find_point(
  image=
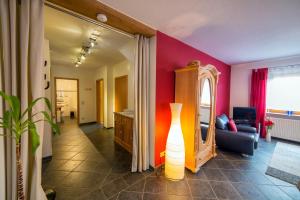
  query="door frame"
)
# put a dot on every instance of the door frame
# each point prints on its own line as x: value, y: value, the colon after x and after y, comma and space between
x: 119, y: 77
x: 97, y: 95
x: 55, y: 96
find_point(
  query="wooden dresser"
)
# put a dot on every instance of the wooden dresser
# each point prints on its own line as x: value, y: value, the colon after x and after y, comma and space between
x: 190, y: 84
x: 124, y: 130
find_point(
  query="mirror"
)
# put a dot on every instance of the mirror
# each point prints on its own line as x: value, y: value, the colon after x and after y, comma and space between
x: 205, y: 108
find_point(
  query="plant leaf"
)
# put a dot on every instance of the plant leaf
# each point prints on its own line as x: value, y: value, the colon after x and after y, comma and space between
x: 32, y: 104
x: 35, y: 138
x: 7, y: 119
x: 54, y: 126
x: 14, y: 104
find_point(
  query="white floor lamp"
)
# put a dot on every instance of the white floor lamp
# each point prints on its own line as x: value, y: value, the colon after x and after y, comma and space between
x: 175, y: 152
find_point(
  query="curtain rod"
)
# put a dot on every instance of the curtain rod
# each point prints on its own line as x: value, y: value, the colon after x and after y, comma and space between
x: 286, y: 66
x: 67, y: 11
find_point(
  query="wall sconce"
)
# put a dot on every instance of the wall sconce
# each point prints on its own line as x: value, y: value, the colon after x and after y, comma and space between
x: 175, y: 151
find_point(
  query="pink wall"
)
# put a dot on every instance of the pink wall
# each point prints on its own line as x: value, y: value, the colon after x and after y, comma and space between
x: 172, y: 54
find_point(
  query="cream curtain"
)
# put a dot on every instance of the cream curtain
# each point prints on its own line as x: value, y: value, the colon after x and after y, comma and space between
x: 21, y: 58
x: 140, y: 153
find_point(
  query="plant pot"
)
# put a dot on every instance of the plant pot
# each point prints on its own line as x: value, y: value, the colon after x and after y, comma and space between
x: 268, y: 136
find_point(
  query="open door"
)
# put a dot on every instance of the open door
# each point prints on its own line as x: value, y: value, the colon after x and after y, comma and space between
x: 100, y: 101
x: 121, y: 93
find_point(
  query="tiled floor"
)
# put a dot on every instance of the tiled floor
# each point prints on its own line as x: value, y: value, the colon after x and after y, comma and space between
x: 90, y: 167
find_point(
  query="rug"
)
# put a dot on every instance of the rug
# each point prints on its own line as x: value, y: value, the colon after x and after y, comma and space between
x: 285, y: 163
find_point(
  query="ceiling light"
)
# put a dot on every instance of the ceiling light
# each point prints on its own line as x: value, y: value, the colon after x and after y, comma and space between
x: 76, y: 65
x: 102, y: 17
x: 92, y: 44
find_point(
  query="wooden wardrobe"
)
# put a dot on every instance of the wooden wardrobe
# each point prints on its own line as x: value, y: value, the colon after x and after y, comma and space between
x: 196, y: 89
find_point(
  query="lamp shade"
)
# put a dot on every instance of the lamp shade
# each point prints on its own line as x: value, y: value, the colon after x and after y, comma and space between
x: 175, y: 152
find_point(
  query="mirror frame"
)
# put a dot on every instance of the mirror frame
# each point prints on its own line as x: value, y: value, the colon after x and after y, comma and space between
x: 205, y: 150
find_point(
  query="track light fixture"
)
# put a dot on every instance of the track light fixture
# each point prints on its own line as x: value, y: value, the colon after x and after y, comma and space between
x: 86, y: 49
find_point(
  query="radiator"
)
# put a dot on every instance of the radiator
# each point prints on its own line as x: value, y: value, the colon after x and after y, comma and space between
x: 288, y: 129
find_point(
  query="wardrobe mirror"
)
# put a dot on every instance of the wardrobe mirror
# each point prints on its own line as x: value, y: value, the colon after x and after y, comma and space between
x: 205, y: 108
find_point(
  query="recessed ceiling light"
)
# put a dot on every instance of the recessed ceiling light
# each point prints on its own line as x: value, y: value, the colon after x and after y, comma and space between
x: 102, y: 17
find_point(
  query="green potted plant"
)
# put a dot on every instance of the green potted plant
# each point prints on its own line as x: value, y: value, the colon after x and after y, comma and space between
x: 16, y: 123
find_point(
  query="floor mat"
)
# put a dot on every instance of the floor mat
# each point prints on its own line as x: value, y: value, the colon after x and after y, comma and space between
x: 285, y: 163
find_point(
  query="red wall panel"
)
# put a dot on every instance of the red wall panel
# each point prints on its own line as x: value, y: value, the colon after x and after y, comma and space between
x: 172, y: 54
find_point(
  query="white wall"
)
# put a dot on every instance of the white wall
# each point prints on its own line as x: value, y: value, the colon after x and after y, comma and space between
x: 87, y: 89
x: 108, y: 74
x: 241, y: 78
x: 47, y: 137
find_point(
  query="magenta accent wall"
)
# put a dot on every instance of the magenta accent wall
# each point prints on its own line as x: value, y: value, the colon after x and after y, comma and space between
x: 172, y: 54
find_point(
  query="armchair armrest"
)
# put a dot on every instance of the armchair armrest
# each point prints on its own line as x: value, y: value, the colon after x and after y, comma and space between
x: 240, y: 142
x: 246, y: 129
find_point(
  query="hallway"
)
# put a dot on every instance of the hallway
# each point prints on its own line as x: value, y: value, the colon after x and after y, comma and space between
x: 78, y: 170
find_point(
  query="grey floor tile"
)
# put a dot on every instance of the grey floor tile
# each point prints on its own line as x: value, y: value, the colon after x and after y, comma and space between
x: 201, y: 189
x: 214, y: 175
x: 199, y: 175
x: 126, y: 195
x: 83, y: 179
x: 69, y: 165
x: 138, y: 186
x: 114, y: 187
x: 292, y: 192
x: 224, y: 190
x: 248, y: 191
x: 224, y: 164
x: 94, y: 195
x: 155, y: 185
x: 273, y: 192
x: 257, y: 178
x: 150, y: 196
x: 131, y: 177
x: 53, y: 179
x: 178, y: 188
x: 234, y: 175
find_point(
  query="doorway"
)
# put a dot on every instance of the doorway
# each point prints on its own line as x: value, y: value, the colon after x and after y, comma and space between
x: 100, y: 101
x: 121, y: 93
x: 66, y: 99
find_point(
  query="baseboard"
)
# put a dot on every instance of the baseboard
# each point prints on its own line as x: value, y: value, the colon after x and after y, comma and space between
x: 46, y: 159
x: 87, y: 123
x: 286, y: 140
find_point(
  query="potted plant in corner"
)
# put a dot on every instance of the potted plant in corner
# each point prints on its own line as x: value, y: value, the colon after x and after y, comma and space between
x: 16, y: 123
x: 269, y: 125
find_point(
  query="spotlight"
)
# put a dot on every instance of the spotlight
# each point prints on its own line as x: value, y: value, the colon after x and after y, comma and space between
x: 92, y: 44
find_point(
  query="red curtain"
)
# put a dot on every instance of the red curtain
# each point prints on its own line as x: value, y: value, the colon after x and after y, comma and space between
x: 258, y: 96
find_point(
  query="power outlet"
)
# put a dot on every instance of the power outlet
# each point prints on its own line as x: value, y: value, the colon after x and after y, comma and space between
x: 162, y: 154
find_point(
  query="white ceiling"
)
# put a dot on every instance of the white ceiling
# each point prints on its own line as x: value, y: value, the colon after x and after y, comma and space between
x: 67, y: 34
x: 234, y: 31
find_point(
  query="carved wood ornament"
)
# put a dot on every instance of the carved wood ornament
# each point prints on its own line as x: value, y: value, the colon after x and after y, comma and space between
x: 189, y: 86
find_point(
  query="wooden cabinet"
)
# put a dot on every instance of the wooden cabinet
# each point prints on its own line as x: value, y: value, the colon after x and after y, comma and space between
x: 198, y: 111
x: 124, y: 131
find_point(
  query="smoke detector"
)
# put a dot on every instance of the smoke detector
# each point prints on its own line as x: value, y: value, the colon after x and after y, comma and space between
x: 102, y: 18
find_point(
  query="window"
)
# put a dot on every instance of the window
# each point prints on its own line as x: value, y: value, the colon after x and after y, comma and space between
x: 205, y: 100
x: 283, y: 90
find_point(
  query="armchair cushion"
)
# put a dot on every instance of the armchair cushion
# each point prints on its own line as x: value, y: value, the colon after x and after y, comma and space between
x: 222, y: 122
x: 232, y: 126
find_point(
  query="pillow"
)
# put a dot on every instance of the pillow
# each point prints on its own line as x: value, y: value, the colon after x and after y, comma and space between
x: 232, y: 126
x: 222, y: 122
